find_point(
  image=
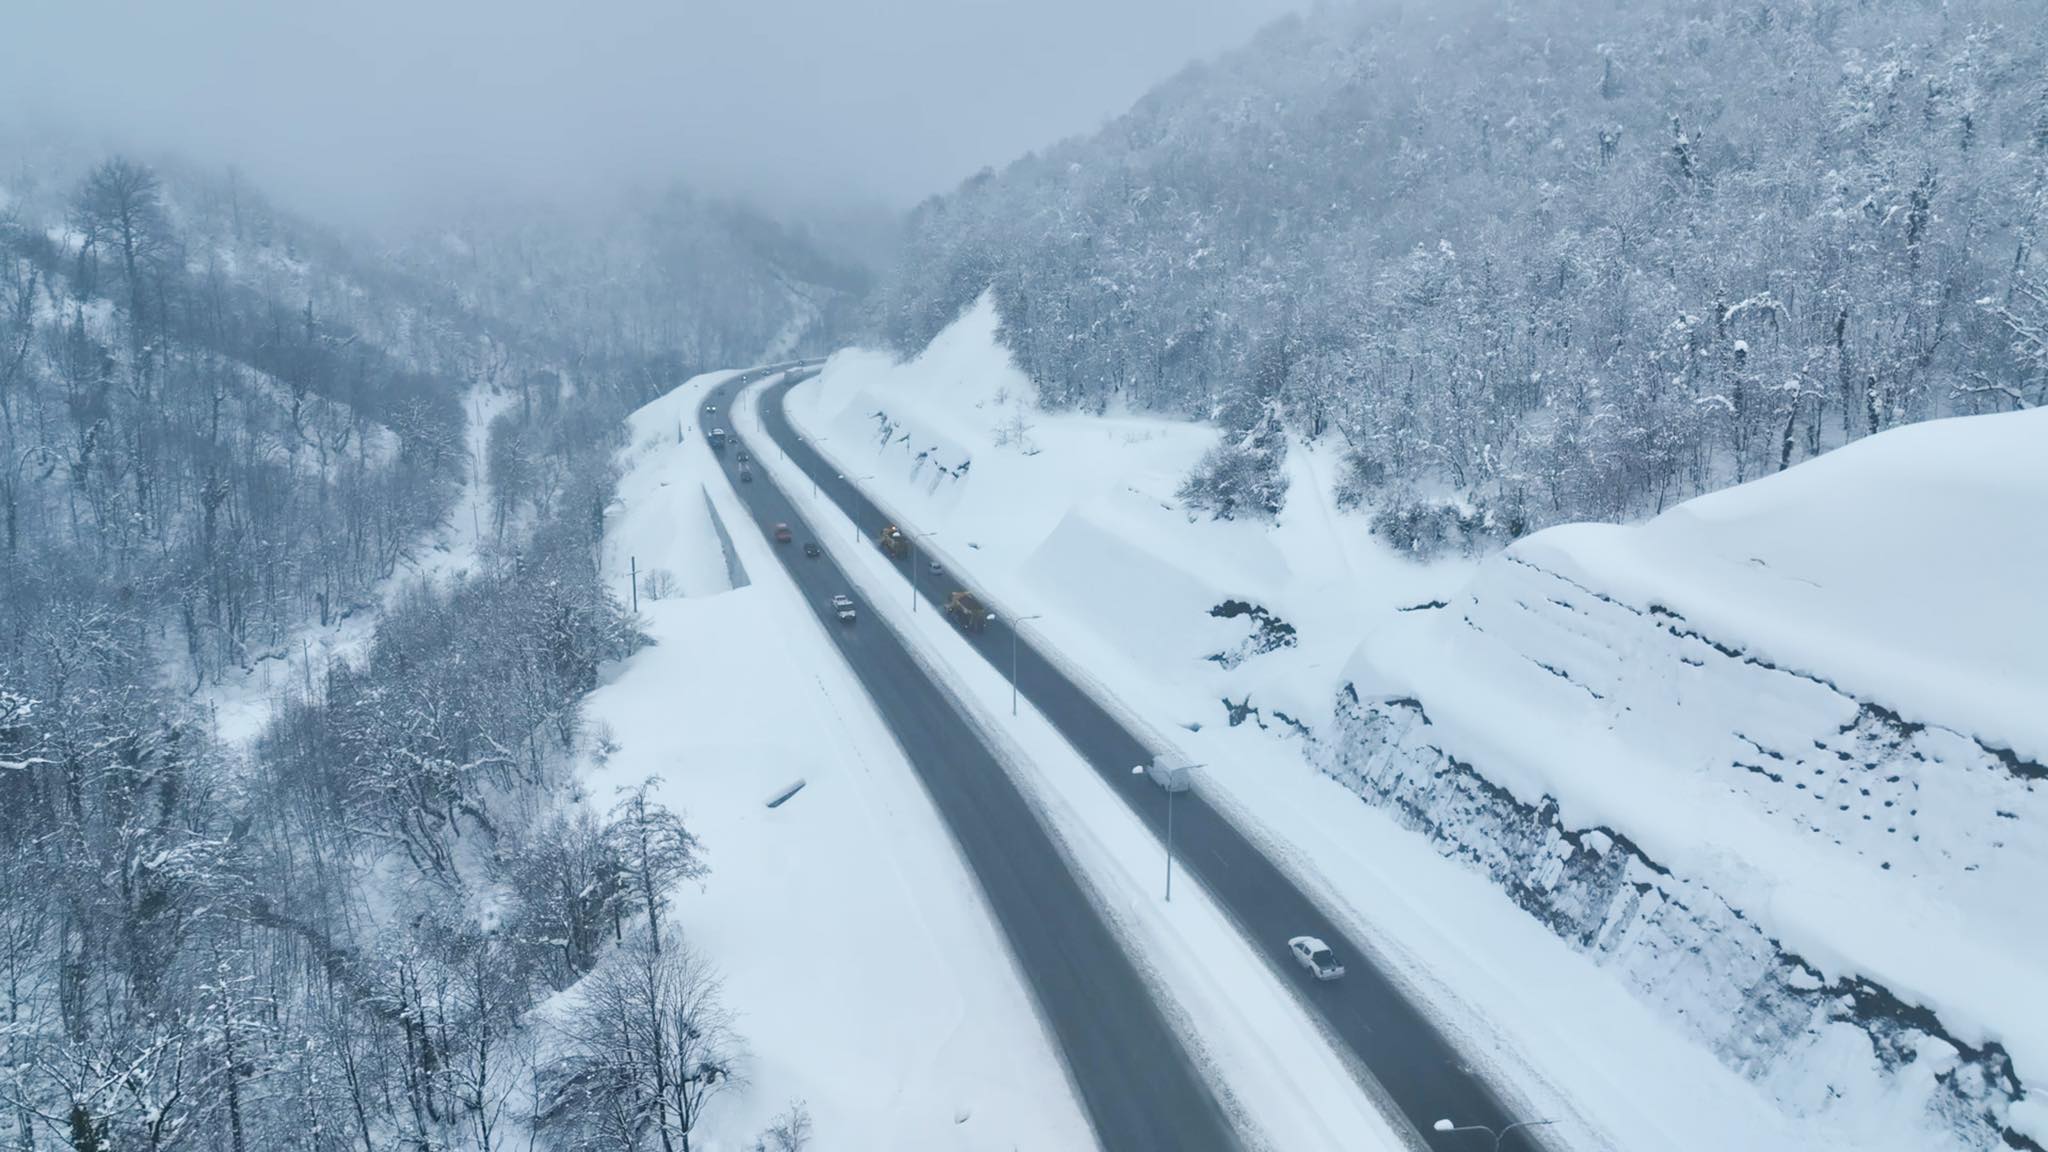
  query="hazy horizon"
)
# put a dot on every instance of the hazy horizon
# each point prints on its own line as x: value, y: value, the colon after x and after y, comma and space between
x: 394, y: 110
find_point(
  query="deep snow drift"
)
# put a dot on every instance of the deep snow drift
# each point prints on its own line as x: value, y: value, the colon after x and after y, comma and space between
x: 1618, y: 978
x: 1805, y: 701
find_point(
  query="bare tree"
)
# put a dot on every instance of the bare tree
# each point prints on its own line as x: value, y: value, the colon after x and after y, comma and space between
x: 788, y: 1132
x: 120, y: 206
x: 657, y: 850
x: 652, y: 1046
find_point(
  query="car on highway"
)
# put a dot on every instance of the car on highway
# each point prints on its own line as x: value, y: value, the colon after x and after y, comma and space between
x: 1315, y: 956
x: 743, y: 457
x: 843, y: 605
x: 746, y: 474
x: 934, y: 568
x: 811, y: 549
x: 782, y: 534
x: 711, y: 408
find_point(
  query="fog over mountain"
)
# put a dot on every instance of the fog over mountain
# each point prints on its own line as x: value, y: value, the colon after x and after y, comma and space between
x: 959, y: 575
x: 387, y: 106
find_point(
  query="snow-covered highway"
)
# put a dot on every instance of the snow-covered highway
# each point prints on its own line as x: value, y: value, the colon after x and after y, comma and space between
x: 1136, y: 1082
x: 1412, y: 1067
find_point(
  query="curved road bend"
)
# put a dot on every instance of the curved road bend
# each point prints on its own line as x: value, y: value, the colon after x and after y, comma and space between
x: 1367, y: 1012
x: 1137, y: 1085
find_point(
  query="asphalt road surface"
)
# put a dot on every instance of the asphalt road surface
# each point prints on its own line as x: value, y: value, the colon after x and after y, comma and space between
x: 1137, y: 1085
x: 1418, y: 1071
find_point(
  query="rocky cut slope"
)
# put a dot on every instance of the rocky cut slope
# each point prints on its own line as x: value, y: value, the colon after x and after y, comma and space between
x: 1771, y: 760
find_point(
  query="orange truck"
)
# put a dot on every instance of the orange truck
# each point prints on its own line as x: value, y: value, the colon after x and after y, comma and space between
x: 966, y: 610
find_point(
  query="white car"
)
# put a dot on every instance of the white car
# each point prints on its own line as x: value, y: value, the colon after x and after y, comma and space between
x: 843, y: 605
x: 1316, y: 956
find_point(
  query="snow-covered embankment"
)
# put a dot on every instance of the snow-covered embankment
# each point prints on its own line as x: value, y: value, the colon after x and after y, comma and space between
x: 1768, y: 758
x: 1635, y: 760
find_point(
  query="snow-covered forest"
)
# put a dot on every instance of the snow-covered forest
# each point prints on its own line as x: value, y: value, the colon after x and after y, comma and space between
x: 364, y: 759
x: 226, y: 432
x: 1534, y: 262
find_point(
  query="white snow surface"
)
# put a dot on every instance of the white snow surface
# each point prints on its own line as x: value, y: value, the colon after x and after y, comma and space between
x: 1905, y: 568
x: 1676, y: 679
x: 1073, y: 518
x: 867, y: 978
x: 1281, y: 1083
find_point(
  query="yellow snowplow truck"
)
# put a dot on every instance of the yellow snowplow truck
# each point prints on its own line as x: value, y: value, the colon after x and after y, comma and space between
x: 892, y: 542
x: 966, y: 611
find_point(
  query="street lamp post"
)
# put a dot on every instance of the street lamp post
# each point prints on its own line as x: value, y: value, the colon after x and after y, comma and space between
x: 850, y: 519
x: 1016, y: 626
x: 1498, y: 1137
x: 914, y: 538
x: 1174, y: 777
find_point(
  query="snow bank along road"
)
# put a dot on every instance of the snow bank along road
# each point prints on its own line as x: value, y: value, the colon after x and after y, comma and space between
x: 1366, y: 1011
x: 1134, y: 1078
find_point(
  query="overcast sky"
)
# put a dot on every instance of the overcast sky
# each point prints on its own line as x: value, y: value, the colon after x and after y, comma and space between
x: 373, y: 107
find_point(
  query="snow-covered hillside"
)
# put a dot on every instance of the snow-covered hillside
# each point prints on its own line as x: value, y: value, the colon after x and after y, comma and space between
x: 1075, y: 516
x: 1810, y: 708
x: 1621, y: 964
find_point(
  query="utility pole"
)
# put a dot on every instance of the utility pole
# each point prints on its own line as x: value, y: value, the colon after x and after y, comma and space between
x: 634, y: 563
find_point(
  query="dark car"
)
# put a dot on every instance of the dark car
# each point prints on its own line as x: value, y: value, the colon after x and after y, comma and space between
x: 743, y: 457
x: 811, y: 549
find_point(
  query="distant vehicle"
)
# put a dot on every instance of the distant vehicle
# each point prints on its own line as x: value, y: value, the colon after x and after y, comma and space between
x: 892, y: 541
x: 964, y: 609
x: 743, y: 457
x: 843, y: 605
x: 782, y: 535
x: 711, y: 407
x: 811, y: 549
x: 1316, y: 956
x: 934, y: 568
x: 746, y: 474
x: 717, y: 438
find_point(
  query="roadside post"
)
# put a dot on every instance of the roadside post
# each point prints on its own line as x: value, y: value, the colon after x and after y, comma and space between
x: 1175, y: 775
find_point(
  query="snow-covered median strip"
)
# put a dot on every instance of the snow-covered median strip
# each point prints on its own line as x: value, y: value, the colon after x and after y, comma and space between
x: 1268, y: 1060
